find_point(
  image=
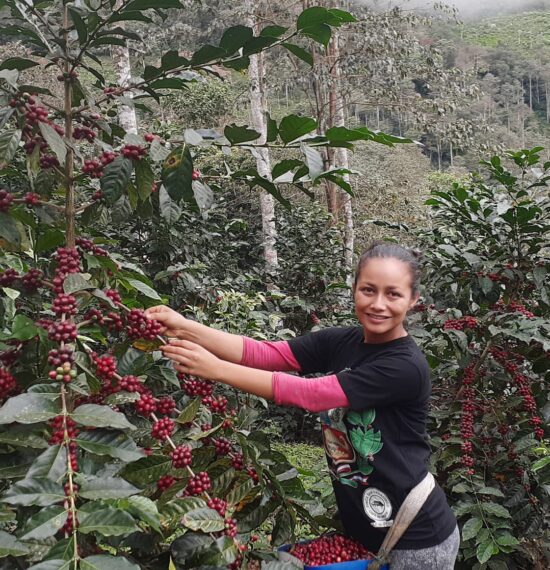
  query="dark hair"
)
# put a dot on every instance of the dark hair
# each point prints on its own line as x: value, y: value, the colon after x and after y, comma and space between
x: 390, y: 250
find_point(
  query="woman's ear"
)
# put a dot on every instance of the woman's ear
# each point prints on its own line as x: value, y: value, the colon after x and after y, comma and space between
x: 414, y: 300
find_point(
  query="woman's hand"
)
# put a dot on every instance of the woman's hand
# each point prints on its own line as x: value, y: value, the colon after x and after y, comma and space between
x: 171, y: 321
x: 191, y: 358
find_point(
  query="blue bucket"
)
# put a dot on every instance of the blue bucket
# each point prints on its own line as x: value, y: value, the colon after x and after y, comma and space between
x: 351, y: 565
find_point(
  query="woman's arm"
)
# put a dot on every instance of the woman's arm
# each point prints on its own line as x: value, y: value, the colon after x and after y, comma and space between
x: 310, y: 394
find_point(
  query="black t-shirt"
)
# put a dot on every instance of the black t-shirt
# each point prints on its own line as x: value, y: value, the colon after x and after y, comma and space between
x: 377, y: 449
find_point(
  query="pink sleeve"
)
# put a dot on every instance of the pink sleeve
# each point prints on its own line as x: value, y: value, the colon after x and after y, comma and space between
x: 268, y: 355
x: 312, y: 394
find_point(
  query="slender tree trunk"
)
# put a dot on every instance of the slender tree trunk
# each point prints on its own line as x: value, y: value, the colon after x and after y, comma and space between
x: 258, y: 121
x: 547, y: 101
x: 123, y: 70
x: 340, y: 158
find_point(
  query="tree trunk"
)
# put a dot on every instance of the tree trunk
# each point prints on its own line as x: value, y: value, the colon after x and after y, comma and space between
x: 340, y: 156
x: 258, y: 122
x: 121, y: 59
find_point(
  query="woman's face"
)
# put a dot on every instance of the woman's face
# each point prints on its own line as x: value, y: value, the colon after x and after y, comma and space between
x: 383, y: 296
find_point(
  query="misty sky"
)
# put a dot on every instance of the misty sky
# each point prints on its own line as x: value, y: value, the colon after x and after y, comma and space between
x: 477, y: 8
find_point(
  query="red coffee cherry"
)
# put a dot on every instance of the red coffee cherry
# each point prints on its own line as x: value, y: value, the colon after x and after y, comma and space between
x: 105, y: 366
x: 131, y: 384
x: 230, y: 527
x: 237, y: 460
x: 223, y: 446
x: 146, y: 405
x: 133, y: 152
x: 64, y: 304
x: 5, y: 200
x: 166, y: 405
x: 195, y: 386
x: 165, y: 482
x: 8, y: 277
x: 198, y: 484
x: 31, y: 198
x: 162, y: 429
x: 8, y: 384
x: 181, y: 456
x: 139, y: 326
x: 218, y: 505
x: 62, y: 332
x: 32, y: 280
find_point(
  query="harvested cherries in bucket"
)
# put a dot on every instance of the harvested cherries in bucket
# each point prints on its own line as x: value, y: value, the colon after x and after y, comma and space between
x: 330, y: 549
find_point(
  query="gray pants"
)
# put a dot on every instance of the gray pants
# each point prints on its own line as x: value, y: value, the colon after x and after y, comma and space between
x: 439, y: 557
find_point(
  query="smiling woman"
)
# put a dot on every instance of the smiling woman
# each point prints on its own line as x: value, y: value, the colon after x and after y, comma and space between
x: 372, y: 399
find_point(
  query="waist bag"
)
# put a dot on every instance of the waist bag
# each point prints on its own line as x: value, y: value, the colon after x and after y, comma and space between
x: 409, y: 509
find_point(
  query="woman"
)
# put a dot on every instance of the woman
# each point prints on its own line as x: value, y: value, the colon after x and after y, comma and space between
x: 373, y: 402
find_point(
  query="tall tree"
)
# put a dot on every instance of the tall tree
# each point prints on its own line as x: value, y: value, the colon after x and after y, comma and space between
x: 258, y: 108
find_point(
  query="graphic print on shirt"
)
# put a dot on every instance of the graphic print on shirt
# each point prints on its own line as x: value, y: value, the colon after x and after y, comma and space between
x: 345, y: 447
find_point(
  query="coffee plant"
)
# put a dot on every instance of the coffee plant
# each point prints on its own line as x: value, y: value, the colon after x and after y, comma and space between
x: 485, y: 326
x: 109, y: 459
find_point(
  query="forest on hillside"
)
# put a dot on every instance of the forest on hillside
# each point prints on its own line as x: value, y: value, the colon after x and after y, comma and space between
x: 232, y: 160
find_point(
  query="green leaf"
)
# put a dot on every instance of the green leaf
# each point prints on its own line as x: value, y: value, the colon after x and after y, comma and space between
x: 10, y: 546
x: 23, y: 328
x: 169, y: 209
x: 238, y: 134
x: 19, y: 63
x: 485, y: 550
x: 50, y: 239
x: 189, y: 545
x: 97, y: 488
x: 538, y: 465
x: 147, y: 470
x: 507, y: 539
x: 114, y: 444
x: 79, y: 24
x: 9, y: 142
x: 115, y: 179
x: 190, y: 411
x: 28, y: 409
x: 495, y: 509
x: 300, y: 53
x: 108, y: 522
x: 53, y: 564
x: 148, y: 4
x: 491, y: 491
x: 235, y: 38
x: 9, y: 230
x: 144, y: 178
x: 75, y: 282
x: 204, y: 197
x: 143, y: 508
x: 205, y: 520
x: 51, y: 464
x: 471, y: 528
x: 100, y: 416
x: 39, y: 492
x: 208, y: 54
x: 177, y: 174
x: 44, y: 524
x: 273, y: 31
x: 55, y: 141
x: 105, y: 562
x: 293, y: 127
x: 144, y: 289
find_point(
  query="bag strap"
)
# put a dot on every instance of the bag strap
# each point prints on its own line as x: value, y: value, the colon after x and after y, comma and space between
x: 409, y: 509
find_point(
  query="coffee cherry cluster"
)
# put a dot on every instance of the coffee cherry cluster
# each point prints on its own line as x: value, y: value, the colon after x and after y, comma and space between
x: 524, y: 388
x: 133, y: 151
x: 94, y: 315
x: 62, y: 331
x: 10, y: 356
x: 230, y: 527
x: 223, y: 446
x: 48, y: 161
x: 165, y: 405
x: 181, y: 457
x: 218, y: 505
x: 512, y: 307
x: 105, y: 366
x: 162, y: 429
x: 88, y: 245
x: 58, y: 356
x: 65, y: 373
x: 467, y: 418
x: 94, y: 166
x: 58, y: 430
x: 146, y: 405
x: 8, y: 384
x: 64, y: 304
x: 139, y: 326
x: 195, y: 386
x: 467, y: 322
x: 31, y: 198
x: 32, y: 280
x: 68, y: 261
x: 131, y: 384
x: 70, y: 524
x: 165, y: 482
x: 86, y: 133
x: 5, y: 200
x: 8, y: 277
x: 237, y: 460
x: 198, y: 484
x: 330, y: 549
x: 217, y: 405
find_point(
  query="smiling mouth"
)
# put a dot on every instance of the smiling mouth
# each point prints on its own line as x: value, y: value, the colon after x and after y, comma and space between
x: 377, y: 317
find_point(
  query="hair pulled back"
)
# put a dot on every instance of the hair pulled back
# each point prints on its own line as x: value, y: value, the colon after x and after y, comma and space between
x: 380, y: 249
